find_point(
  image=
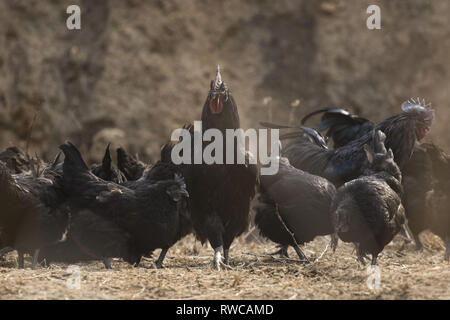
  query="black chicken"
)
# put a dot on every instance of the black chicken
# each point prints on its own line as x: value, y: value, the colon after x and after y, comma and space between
x: 368, y: 210
x: 16, y: 160
x: 426, y: 184
x: 303, y: 202
x: 423, y: 175
x: 110, y: 220
x: 68, y: 251
x: 106, y: 169
x: 348, y: 162
x: 34, y: 213
x: 417, y: 182
x: 220, y: 194
x: 132, y: 168
x: 164, y: 169
x: 439, y: 198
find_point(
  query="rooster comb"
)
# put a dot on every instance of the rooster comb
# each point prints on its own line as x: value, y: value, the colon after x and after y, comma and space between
x: 415, y: 103
x: 217, y: 82
x: 419, y: 106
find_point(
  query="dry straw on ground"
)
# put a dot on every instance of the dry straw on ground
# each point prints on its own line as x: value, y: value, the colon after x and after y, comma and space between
x: 256, y: 275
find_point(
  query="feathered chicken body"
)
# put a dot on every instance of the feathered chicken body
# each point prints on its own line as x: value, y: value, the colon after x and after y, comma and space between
x: 132, y: 168
x: 16, y: 160
x: 220, y: 194
x: 424, y: 174
x: 302, y: 201
x: 368, y: 210
x: 111, y: 220
x: 417, y: 182
x: 34, y: 213
x: 349, y: 162
x: 437, y: 200
x: 106, y: 170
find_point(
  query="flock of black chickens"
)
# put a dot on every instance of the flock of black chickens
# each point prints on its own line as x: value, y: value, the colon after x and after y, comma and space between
x: 377, y: 181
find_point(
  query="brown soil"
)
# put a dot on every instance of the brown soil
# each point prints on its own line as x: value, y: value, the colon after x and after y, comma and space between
x: 137, y: 70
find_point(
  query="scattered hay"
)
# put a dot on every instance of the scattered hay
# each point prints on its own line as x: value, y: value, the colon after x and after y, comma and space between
x: 255, y: 275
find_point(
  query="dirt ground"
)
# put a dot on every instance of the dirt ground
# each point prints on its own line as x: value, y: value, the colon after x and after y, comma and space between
x: 406, y: 274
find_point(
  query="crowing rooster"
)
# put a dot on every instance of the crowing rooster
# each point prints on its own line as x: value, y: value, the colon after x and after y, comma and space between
x: 220, y: 194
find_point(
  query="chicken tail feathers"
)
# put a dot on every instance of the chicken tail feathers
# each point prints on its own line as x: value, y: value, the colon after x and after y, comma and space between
x: 73, y: 159
x: 309, y: 115
x: 341, y: 126
x: 124, y: 159
x: 107, y: 161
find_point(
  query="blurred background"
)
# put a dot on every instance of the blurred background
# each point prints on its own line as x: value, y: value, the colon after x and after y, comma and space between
x: 137, y: 70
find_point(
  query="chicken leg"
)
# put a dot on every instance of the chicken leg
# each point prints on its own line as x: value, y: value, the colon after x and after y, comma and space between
x: 283, y: 252
x: 107, y: 263
x: 226, y: 255
x: 162, y: 255
x: 5, y: 251
x: 35, y: 258
x: 419, y: 245
x: 334, y: 241
x: 300, y: 254
x: 374, y: 259
x: 21, y: 260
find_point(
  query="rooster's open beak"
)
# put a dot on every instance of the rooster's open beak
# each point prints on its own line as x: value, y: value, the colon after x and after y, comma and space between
x: 216, y: 105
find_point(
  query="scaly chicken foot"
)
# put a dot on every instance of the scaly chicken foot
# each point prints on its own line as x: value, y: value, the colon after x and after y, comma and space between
x: 217, y: 262
x: 283, y: 252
